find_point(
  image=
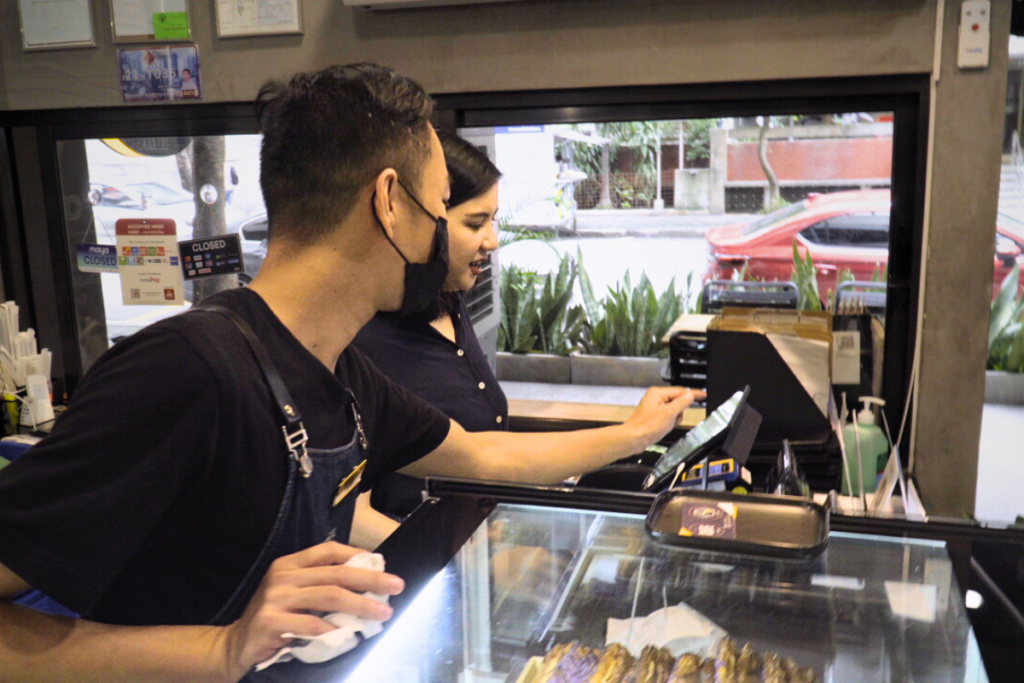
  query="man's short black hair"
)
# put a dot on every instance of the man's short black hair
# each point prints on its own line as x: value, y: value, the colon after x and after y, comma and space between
x: 327, y: 134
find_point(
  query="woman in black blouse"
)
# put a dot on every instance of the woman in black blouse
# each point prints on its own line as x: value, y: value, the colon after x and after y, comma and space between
x: 437, y: 355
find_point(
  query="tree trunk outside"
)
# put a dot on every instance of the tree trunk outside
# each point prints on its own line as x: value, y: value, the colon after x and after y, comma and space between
x: 772, y: 199
x: 208, y: 165
x: 184, y: 160
x: 606, y: 178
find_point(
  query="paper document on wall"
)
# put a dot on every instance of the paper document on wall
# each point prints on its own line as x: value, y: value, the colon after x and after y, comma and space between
x: 809, y: 360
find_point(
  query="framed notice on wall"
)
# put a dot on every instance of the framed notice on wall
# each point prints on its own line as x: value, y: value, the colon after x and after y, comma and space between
x: 244, y: 18
x: 153, y: 74
x: 55, y: 24
x: 142, y: 21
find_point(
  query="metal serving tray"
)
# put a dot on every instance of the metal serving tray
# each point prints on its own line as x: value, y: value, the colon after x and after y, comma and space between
x: 775, y: 526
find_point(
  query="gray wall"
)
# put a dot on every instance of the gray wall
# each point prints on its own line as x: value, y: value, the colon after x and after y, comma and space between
x: 581, y: 43
x: 540, y: 44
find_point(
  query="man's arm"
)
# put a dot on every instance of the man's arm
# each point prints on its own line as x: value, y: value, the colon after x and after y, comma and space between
x: 369, y: 527
x: 550, y: 457
x: 41, y: 647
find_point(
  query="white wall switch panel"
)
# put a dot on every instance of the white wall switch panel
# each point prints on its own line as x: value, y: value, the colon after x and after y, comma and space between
x: 975, y: 43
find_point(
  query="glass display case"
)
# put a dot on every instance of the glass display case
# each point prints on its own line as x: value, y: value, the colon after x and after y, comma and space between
x: 529, y: 577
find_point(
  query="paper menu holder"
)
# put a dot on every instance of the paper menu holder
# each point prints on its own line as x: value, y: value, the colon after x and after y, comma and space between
x: 740, y: 353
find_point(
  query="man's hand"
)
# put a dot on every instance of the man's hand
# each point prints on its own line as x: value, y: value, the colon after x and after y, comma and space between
x: 294, y: 587
x: 659, y: 410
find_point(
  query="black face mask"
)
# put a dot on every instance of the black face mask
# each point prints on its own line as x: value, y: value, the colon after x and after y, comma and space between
x: 423, y: 281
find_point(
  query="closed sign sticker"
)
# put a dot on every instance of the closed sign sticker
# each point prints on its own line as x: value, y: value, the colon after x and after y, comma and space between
x: 220, y: 255
x: 97, y: 258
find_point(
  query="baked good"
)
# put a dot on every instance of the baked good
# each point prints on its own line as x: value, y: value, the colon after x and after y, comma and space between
x: 577, y: 665
x: 654, y: 666
x: 613, y: 665
x: 551, y: 661
x: 687, y: 669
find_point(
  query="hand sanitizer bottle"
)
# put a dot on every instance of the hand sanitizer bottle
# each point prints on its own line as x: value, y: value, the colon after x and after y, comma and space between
x: 864, y: 434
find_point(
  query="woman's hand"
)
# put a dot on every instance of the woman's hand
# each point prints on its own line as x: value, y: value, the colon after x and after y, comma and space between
x: 659, y: 411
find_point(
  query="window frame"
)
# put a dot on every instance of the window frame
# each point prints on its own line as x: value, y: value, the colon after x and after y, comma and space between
x: 906, y: 96
x: 36, y: 267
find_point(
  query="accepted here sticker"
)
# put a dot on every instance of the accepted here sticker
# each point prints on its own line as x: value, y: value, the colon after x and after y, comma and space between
x: 148, y: 262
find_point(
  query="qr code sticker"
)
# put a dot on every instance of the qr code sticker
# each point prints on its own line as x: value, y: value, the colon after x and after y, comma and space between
x: 135, y: 294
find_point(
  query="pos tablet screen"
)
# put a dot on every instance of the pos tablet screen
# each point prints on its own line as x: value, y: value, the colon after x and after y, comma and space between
x: 699, y: 442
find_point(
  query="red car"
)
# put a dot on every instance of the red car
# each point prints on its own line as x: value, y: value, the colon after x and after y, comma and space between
x: 841, y: 231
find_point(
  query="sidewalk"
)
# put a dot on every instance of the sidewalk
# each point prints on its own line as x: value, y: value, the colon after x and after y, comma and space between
x: 647, y: 223
x: 1000, y: 464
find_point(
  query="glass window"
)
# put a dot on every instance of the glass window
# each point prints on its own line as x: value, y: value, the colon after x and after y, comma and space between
x: 869, y: 230
x: 817, y: 233
x: 640, y: 211
x: 205, y: 186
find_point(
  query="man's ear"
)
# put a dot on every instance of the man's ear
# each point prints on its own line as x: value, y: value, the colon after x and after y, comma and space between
x: 385, y: 187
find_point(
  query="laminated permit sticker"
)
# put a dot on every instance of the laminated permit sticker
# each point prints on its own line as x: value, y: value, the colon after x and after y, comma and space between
x: 708, y: 520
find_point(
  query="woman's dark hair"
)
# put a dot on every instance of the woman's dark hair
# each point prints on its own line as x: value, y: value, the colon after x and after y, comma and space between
x: 470, y: 171
x: 329, y: 133
x: 470, y: 174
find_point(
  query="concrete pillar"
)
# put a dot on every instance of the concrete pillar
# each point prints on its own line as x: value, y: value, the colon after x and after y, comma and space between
x: 958, y: 288
x: 693, y: 189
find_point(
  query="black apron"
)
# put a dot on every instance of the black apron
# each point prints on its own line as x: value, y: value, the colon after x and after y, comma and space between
x: 307, y: 515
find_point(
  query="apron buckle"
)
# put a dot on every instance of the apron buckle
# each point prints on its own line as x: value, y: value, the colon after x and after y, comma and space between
x: 296, y: 442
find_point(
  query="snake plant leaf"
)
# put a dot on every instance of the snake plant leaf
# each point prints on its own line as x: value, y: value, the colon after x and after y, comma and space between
x: 1006, y: 308
x: 1015, y: 352
x: 587, y: 289
x: 525, y: 345
x: 668, y: 309
x: 806, y: 281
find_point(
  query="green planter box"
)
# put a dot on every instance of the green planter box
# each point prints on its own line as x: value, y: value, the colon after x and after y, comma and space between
x: 533, y: 367
x: 616, y: 371
x: 1004, y: 387
x: 622, y: 371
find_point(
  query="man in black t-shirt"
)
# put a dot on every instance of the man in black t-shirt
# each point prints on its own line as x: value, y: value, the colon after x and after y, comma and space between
x: 166, y: 507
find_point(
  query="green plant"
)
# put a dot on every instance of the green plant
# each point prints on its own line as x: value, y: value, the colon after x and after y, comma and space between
x: 1006, y: 327
x: 629, y: 321
x: 806, y: 281
x: 697, y: 138
x: 741, y: 274
x: 559, y: 328
x: 641, y: 137
x: 518, y: 310
x: 832, y: 298
x: 693, y: 295
x: 534, y: 311
x: 630, y: 191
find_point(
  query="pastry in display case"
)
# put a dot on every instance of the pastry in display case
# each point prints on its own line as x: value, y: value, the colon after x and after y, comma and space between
x: 559, y: 595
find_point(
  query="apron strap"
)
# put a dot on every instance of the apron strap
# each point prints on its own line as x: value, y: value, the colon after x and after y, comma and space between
x: 294, y: 431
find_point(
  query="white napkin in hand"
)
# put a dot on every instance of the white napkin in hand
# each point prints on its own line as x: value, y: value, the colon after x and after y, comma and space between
x: 314, y: 649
